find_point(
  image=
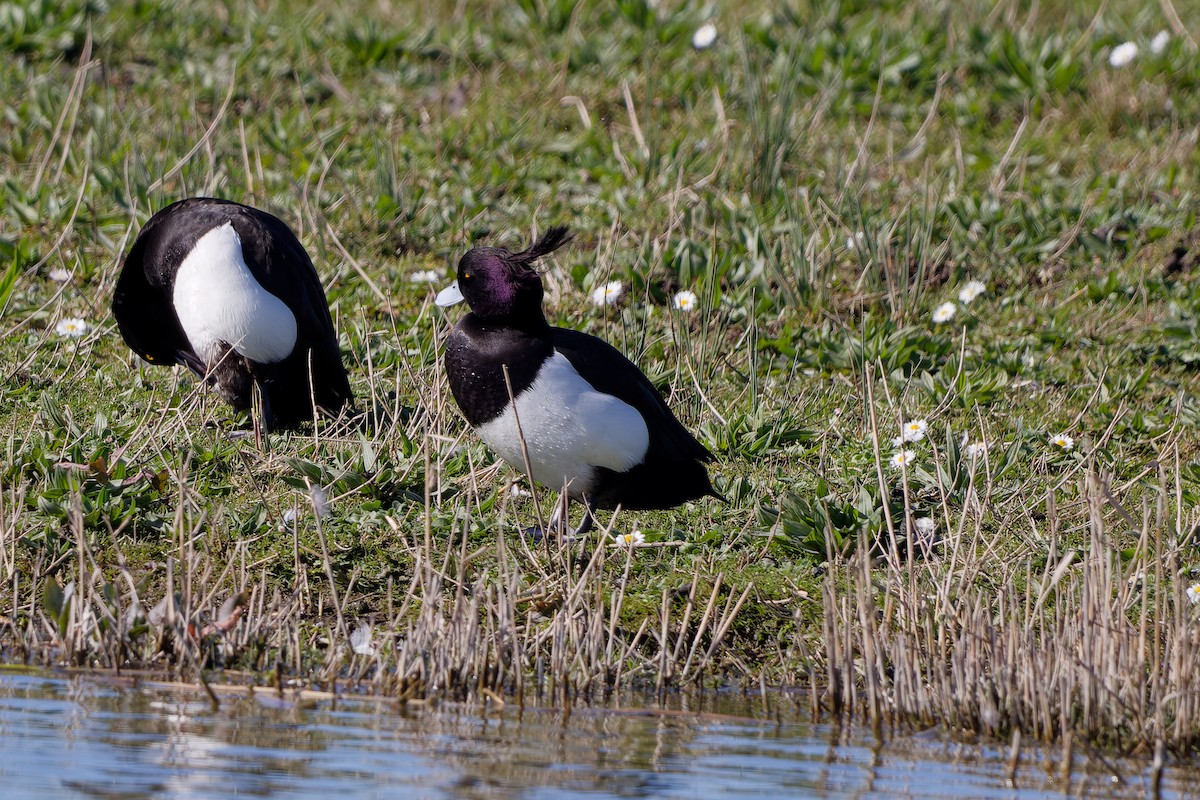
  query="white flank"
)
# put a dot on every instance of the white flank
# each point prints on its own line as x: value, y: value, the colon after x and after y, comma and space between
x: 217, y: 299
x: 569, y: 428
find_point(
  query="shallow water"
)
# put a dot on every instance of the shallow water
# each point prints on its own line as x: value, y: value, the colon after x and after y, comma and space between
x: 86, y: 736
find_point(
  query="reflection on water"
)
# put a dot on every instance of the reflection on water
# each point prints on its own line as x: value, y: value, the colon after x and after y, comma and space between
x: 89, y: 737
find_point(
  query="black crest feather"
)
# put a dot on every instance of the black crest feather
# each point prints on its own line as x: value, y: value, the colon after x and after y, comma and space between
x: 551, y: 240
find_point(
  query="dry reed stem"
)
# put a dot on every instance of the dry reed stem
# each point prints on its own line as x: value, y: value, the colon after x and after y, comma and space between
x: 1087, y: 644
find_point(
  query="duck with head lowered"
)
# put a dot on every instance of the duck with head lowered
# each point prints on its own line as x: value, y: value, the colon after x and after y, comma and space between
x: 591, y: 421
x: 228, y: 291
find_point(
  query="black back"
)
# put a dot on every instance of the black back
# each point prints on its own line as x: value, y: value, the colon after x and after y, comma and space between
x: 145, y: 314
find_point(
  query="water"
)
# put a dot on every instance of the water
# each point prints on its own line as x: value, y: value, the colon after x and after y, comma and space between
x: 88, y: 737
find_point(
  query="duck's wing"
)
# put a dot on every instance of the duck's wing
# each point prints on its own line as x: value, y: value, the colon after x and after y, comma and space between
x: 142, y: 304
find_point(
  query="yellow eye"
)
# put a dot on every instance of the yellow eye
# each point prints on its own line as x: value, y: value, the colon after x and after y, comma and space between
x: 466, y: 276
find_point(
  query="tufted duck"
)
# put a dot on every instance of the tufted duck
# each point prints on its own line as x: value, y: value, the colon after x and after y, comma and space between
x: 229, y: 292
x: 591, y: 421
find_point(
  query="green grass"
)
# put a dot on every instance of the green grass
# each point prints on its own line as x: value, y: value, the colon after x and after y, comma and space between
x: 822, y: 178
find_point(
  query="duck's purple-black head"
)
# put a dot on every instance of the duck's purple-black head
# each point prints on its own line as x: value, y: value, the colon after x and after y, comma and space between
x: 501, y: 285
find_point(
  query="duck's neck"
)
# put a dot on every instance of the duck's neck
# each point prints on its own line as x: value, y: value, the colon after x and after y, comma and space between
x: 529, y: 324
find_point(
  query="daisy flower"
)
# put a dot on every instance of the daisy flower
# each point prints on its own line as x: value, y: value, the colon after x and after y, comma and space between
x: 903, y: 458
x: 704, y: 36
x: 944, y: 312
x: 73, y: 327
x: 976, y: 450
x: 608, y: 294
x: 60, y: 275
x: 1160, y: 42
x: 1193, y: 593
x: 425, y: 276
x: 685, y: 300
x: 1123, y: 54
x: 972, y: 290
x: 913, y: 430
x: 1062, y: 441
x: 631, y: 539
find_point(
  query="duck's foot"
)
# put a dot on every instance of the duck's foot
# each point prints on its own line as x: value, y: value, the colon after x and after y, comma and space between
x: 557, y: 525
x: 556, y: 528
x: 537, y: 535
x: 586, y: 524
x: 534, y: 533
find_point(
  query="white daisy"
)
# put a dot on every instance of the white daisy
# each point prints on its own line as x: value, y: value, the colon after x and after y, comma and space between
x: 685, y: 300
x: 1062, y: 440
x: 913, y: 430
x: 1193, y: 593
x: 903, y: 458
x: 704, y: 36
x: 73, y: 327
x: 1160, y: 42
x: 972, y: 290
x: 425, y: 276
x: 976, y: 450
x: 944, y: 313
x: 630, y: 539
x: 1122, y: 54
x: 608, y: 294
x: 60, y: 275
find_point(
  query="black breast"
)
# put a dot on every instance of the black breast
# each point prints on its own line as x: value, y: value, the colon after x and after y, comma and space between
x: 476, y: 355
